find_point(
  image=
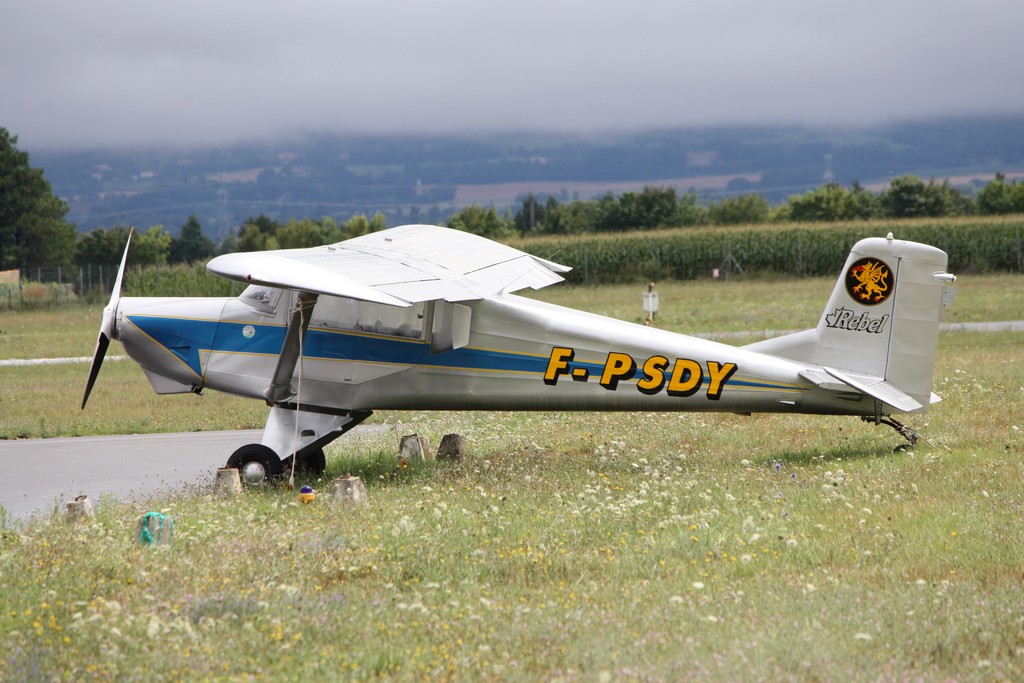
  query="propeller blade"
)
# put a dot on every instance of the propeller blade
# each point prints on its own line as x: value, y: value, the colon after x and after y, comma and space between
x: 107, y: 324
x: 102, y: 342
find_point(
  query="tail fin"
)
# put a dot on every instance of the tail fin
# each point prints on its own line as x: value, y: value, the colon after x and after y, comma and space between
x: 880, y: 330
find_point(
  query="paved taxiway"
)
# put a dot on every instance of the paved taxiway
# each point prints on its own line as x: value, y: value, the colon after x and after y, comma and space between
x: 38, y: 474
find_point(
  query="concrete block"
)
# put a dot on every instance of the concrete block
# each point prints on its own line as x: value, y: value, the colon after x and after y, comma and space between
x: 228, y: 483
x: 154, y: 529
x: 453, y: 447
x: 349, y: 490
x: 79, y: 510
x: 416, y: 448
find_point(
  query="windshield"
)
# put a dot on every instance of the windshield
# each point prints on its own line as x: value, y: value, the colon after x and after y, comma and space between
x: 261, y: 298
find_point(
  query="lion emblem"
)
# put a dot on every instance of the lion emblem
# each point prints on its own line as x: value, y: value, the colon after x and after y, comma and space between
x: 869, y: 282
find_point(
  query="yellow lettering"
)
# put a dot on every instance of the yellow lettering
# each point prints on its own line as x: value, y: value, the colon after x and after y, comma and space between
x: 618, y: 366
x: 686, y: 378
x: 654, y: 375
x: 718, y: 374
x: 558, y: 364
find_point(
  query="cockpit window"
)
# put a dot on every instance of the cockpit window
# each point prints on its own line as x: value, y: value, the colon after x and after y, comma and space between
x: 363, y: 316
x: 261, y: 298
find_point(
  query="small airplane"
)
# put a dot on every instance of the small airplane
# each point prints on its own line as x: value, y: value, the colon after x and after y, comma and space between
x: 421, y: 317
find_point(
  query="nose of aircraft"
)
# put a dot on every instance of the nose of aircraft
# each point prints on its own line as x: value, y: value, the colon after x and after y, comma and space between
x: 106, y: 325
x: 170, y: 337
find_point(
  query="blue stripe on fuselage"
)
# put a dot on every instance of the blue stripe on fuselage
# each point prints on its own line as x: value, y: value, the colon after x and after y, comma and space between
x: 185, y: 338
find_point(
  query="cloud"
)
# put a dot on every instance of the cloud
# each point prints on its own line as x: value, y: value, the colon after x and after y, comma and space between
x: 194, y: 72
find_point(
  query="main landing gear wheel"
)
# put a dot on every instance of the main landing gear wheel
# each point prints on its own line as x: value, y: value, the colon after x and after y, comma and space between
x: 256, y: 464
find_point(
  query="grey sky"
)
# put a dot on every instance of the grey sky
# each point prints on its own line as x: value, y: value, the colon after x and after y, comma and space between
x: 202, y: 71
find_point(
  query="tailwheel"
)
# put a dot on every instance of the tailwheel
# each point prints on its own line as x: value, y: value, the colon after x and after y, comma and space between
x: 906, y: 432
x: 256, y: 464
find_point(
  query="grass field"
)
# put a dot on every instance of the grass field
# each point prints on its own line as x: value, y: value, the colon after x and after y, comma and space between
x: 583, y: 546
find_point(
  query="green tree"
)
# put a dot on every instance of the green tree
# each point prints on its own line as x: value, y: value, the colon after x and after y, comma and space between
x: 569, y: 219
x: 864, y: 203
x: 654, y: 207
x: 150, y: 248
x: 298, y: 234
x: 745, y: 209
x: 480, y: 221
x: 361, y: 225
x: 101, y: 247
x: 832, y: 202
x: 258, y: 234
x: 33, y: 231
x: 531, y: 216
x: 191, y: 245
x: 689, y: 211
x: 999, y: 197
x: 909, y: 197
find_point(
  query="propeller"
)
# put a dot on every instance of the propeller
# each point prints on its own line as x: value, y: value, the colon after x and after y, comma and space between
x: 107, y: 324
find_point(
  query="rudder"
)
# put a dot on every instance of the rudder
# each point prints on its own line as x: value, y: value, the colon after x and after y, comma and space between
x: 881, y: 325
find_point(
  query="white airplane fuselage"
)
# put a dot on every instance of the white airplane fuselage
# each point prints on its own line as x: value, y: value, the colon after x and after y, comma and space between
x: 521, y: 354
x: 424, y: 318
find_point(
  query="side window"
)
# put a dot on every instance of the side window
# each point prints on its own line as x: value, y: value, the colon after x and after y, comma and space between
x: 361, y: 316
x: 261, y: 298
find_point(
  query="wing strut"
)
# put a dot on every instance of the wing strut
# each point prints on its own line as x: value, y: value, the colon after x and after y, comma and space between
x: 298, y: 322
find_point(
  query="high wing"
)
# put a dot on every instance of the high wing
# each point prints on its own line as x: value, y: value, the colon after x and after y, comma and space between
x: 400, y: 266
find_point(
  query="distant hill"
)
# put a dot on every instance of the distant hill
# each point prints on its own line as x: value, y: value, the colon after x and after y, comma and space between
x: 426, y: 178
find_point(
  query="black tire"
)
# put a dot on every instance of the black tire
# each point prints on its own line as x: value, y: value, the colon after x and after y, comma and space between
x: 256, y: 464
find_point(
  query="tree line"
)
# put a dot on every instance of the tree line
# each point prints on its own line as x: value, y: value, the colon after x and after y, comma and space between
x: 155, y: 246
x: 654, y: 207
x: 34, y: 232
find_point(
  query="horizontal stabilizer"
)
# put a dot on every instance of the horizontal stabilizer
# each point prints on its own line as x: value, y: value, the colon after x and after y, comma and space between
x: 878, y: 388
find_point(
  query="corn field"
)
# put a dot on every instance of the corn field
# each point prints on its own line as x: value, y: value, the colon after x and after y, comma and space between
x: 974, y: 245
